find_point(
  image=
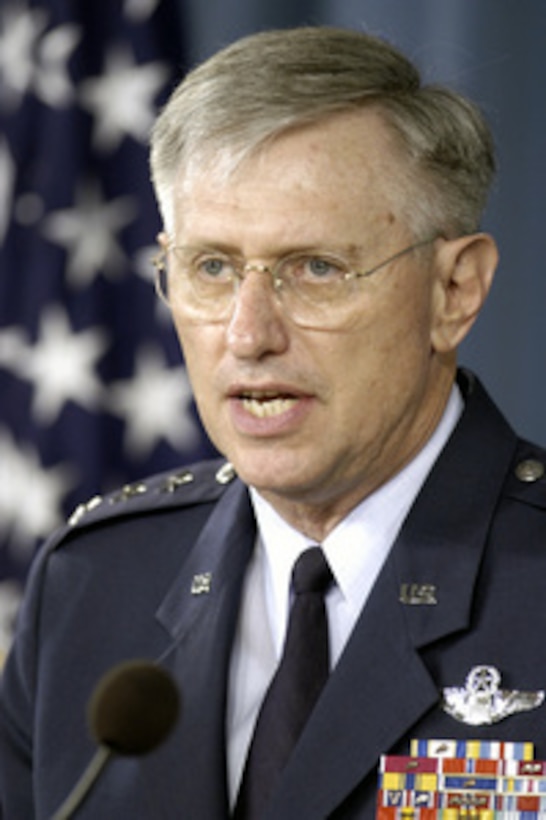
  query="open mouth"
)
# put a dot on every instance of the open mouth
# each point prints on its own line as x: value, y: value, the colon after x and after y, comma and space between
x: 267, y: 405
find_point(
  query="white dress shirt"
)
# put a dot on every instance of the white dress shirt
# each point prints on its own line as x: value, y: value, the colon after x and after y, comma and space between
x: 356, y: 550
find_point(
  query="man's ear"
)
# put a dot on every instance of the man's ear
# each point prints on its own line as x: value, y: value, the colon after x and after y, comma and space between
x: 464, y: 273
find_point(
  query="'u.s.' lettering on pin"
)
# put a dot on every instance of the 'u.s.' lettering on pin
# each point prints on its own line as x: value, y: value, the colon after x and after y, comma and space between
x: 418, y: 594
x: 201, y: 583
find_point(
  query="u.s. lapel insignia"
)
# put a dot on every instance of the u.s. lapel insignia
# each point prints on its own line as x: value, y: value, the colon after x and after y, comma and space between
x: 201, y: 583
x: 418, y: 594
x: 481, y: 701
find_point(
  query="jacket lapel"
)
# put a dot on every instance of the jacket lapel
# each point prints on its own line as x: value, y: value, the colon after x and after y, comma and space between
x: 200, y: 613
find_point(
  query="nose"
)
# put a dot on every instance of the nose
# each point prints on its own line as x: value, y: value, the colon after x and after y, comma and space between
x: 257, y: 326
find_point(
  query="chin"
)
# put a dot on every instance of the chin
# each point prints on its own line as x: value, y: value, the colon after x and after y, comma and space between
x: 280, y: 474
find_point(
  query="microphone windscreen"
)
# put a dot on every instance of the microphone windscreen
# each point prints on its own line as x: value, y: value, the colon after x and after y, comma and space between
x: 133, y: 708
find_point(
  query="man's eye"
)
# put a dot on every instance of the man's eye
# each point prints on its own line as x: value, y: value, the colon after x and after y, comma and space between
x: 214, y: 268
x: 317, y: 267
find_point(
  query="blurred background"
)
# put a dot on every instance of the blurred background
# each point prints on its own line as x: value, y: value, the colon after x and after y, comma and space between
x: 93, y: 392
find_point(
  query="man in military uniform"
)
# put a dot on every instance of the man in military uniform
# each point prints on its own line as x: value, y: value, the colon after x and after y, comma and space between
x: 322, y: 259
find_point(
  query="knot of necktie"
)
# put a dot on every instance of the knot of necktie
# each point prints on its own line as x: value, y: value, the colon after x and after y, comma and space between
x: 311, y: 572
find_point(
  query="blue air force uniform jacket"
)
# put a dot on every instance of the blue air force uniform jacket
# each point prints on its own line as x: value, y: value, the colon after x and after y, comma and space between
x: 155, y: 572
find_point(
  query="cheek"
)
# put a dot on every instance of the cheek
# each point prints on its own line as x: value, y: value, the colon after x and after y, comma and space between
x: 202, y: 360
x: 392, y: 345
x: 199, y: 351
x: 408, y: 322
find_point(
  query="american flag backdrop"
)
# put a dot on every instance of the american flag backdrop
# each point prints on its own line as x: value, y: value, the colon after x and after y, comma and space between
x: 93, y: 392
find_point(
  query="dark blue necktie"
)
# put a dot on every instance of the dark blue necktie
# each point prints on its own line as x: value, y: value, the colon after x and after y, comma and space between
x: 295, y: 688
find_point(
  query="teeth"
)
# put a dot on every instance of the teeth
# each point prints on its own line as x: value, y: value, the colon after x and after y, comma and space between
x: 266, y: 407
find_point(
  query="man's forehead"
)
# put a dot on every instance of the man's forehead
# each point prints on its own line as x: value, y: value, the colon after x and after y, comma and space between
x: 348, y: 143
x: 267, y: 223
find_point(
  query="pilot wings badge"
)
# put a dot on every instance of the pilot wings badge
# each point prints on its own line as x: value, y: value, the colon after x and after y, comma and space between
x: 481, y: 702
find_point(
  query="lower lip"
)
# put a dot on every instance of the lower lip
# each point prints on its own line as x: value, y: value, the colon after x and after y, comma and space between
x: 267, y: 426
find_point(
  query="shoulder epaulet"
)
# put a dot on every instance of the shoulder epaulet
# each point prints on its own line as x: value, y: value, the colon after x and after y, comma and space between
x: 198, y: 483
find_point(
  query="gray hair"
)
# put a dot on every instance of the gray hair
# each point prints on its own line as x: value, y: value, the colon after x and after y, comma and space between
x: 267, y: 83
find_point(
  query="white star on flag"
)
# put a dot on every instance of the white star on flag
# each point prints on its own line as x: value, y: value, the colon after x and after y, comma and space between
x: 121, y: 99
x: 154, y: 403
x: 30, y: 59
x: 88, y: 232
x: 30, y: 495
x: 20, y: 31
x: 60, y: 365
x: 52, y: 81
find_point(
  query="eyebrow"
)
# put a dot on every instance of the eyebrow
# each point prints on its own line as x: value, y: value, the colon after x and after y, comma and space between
x: 350, y: 251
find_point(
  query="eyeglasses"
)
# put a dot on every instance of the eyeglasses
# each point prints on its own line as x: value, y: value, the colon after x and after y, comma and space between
x: 315, y: 289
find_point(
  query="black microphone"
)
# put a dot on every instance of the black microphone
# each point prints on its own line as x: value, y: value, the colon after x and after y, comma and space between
x: 131, y: 711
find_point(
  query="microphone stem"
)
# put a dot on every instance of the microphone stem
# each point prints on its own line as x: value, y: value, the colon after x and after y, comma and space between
x: 84, y: 784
